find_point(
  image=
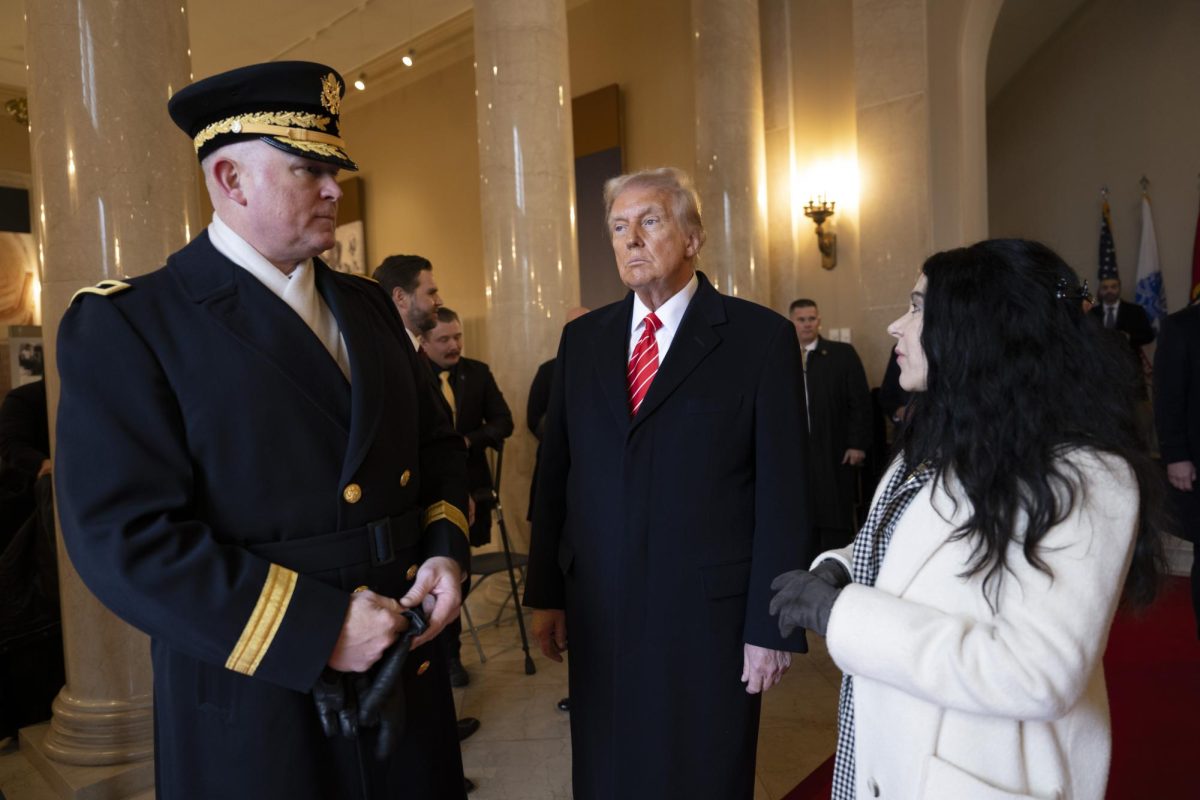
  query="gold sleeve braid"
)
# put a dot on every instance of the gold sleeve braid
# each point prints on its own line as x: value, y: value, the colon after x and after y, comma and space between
x: 443, y: 510
x: 264, y: 621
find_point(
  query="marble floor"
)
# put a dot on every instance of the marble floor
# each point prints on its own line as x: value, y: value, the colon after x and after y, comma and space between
x: 523, y: 749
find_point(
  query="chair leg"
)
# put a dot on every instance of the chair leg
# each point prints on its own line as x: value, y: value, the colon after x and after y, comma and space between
x: 474, y: 633
x: 530, y: 668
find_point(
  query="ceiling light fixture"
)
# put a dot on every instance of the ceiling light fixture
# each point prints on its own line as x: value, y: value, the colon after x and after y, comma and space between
x: 407, y: 59
x: 360, y: 82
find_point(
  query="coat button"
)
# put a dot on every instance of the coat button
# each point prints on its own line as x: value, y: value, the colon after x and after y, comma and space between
x: 405, y: 477
x: 873, y: 787
x: 412, y: 572
x: 352, y: 493
x: 424, y: 666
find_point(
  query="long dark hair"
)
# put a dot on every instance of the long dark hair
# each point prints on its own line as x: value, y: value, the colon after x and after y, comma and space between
x: 1018, y: 376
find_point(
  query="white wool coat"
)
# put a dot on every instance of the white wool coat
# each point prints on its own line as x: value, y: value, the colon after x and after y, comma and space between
x: 955, y: 701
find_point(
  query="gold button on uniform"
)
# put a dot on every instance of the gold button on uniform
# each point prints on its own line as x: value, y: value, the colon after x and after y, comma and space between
x: 352, y: 493
x: 405, y: 477
x: 412, y: 572
x: 424, y: 666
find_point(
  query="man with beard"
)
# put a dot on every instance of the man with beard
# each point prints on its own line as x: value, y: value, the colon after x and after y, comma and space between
x: 408, y: 280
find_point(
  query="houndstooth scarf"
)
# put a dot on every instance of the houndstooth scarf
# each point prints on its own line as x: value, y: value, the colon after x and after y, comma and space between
x: 870, y: 546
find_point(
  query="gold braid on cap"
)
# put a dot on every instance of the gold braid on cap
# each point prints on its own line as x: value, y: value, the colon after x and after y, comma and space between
x: 290, y: 125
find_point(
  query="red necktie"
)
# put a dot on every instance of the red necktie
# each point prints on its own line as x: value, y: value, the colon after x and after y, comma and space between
x: 643, y: 364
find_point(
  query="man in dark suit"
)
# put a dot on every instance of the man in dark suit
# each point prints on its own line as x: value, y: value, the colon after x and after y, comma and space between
x: 838, y: 404
x: 1177, y: 415
x: 666, y: 504
x: 1129, y: 319
x: 483, y: 419
x: 254, y: 469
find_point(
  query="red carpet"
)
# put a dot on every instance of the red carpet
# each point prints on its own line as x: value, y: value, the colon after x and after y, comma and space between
x: 1153, y: 669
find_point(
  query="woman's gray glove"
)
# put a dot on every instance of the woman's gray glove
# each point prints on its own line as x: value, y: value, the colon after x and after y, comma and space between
x: 832, y: 572
x: 804, y: 599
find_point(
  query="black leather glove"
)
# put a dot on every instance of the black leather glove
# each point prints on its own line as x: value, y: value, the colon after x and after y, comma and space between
x: 381, y: 702
x: 832, y: 572
x: 335, y: 706
x: 802, y: 600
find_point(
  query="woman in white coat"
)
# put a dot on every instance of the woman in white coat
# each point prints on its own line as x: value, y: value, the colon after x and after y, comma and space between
x: 971, y: 613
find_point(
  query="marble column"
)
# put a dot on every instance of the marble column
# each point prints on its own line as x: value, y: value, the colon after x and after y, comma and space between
x: 778, y: 130
x: 527, y: 193
x: 730, y: 170
x: 114, y: 191
x: 891, y: 67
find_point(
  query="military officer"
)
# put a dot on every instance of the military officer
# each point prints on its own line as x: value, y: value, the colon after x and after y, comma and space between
x: 238, y: 454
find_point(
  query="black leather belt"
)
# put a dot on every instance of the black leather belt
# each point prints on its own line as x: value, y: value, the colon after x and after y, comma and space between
x: 375, y: 543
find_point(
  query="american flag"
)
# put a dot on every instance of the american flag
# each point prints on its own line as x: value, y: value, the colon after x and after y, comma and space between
x: 1108, y: 253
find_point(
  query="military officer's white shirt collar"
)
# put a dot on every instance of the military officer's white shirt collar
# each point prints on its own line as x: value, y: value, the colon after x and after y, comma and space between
x: 670, y: 314
x: 298, y: 290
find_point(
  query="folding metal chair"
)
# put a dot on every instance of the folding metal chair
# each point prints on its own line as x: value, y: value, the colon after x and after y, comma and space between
x: 487, y: 564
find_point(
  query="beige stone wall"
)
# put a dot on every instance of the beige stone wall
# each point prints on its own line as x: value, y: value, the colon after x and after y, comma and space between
x: 420, y: 169
x: 645, y: 47
x: 825, y: 146
x: 1110, y: 97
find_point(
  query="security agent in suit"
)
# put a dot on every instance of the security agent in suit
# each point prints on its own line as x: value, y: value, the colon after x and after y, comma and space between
x: 1177, y: 416
x: 656, y: 534
x: 483, y: 419
x: 838, y: 414
x: 232, y: 469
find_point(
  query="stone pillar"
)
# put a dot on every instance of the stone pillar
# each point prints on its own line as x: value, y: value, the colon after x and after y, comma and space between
x: 730, y: 167
x: 114, y: 191
x: 778, y: 109
x: 527, y: 193
x: 891, y: 67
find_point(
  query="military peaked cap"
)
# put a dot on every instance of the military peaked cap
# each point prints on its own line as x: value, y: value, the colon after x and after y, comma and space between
x: 291, y: 105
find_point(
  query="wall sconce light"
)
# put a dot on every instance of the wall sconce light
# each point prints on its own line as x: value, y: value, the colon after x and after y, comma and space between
x: 818, y: 211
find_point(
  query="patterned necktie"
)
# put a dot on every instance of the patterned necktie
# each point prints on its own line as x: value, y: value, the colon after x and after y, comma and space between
x: 1110, y: 317
x: 643, y: 364
x: 448, y: 393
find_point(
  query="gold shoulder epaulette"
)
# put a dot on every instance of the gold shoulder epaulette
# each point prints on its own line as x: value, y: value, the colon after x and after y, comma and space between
x: 103, y: 287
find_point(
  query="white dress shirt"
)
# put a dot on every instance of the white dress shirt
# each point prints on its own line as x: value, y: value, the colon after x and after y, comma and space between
x: 670, y: 314
x: 298, y: 289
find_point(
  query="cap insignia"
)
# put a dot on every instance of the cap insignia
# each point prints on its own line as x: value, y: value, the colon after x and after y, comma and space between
x: 331, y: 93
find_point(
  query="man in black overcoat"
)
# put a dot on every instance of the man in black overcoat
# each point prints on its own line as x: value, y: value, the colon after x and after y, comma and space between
x: 838, y: 404
x: 666, y: 504
x: 253, y: 468
x: 1177, y: 416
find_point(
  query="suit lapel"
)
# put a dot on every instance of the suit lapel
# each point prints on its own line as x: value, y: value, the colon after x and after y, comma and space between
x: 264, y: 323
x: 692, y: 343
x: 610, y: 359
x: 366, y: 370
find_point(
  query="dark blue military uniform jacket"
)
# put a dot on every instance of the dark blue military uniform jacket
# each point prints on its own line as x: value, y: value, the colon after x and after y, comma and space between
x: 223, y: 488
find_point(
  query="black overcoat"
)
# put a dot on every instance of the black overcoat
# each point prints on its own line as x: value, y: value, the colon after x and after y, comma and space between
x: 224, y: 488
x: 839, y: 407
x: 660, y: 537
